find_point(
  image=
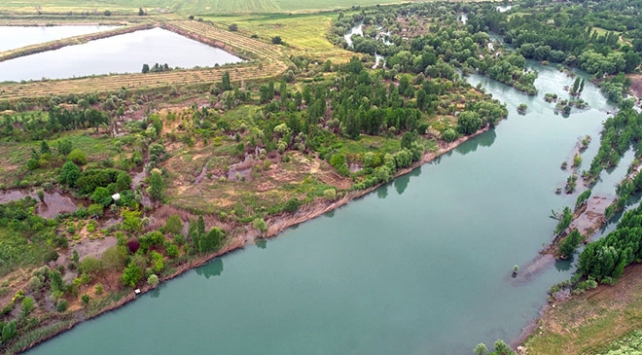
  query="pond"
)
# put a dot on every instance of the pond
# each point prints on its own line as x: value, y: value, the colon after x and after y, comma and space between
x: 119, y: 54
x: 421, y: 265
x: 20, y: 36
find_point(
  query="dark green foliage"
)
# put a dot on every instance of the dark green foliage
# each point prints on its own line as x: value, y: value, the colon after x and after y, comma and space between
x: 90, y: 179
x: 62, y: 305
x: 570, y: 243
x: 78, y: 157
x: 132, y: 275
x: 123, y: 181
x: 226, y: 84
x: 604, y: 260
x: 211, y: 241
x: 156, y: 186
x: 468, y: 122
x: 277, y: 40
x: 292, y: 205
x: 582, y: 198
x: 565, y: 220
x: 70, y: 174
x: 101, y: 196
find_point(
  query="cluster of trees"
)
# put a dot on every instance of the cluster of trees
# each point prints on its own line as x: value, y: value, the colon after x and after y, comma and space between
x: 573, y: 38
x: 156, y: 68
x: 445, y: 48
x: 605, y: 259
x: 620, y: 132
x: 40, y: 125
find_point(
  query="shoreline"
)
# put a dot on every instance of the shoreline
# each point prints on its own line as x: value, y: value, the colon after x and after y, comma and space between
x: 276, y: 225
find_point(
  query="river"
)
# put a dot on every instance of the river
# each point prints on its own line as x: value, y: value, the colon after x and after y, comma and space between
x: 420, y: 266
x: 124, y: 53
x: 19, y: 36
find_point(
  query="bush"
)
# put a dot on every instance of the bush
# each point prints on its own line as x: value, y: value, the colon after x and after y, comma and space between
x: 174, y: 225
x: 292, y: 205
x: 101, y: 196
x: 85, y: 299
x: 152, y: 280
x: 78, y: 157
x: 62, y: 306
x: 260, y: 225
x: 172, y: 250
x: 330, y: 194
x: 95, y: 210
x: 449, y: 135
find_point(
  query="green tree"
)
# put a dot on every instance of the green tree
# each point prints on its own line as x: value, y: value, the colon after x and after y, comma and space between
x: 260, y: 225
x: 101, y: 196
x: 114, y: 258
x: 152, y: 280
x: 132, y: 274
x: 233, y: 27
x: 570, y: 243
x: 70, y: 174
x: 90, y: 265
x: 85, y: 299
x: 481, y: 349
x: 44, y: 148
x: 468, y: 122
x: 226, y: 84
x: 158, y: 261
x: 145, y: 68
x: 277, y: 40
x: 64, y: 146
x: 26, y: 306
x: 211, y: 241
x: 123, y: 181
x: 78, y: 156
x: 156, y: 186
x: 174, y: 225
x: 141, y: 12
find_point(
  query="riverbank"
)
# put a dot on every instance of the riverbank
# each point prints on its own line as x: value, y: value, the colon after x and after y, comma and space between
x: 237, y: 241
x: 589, y: 322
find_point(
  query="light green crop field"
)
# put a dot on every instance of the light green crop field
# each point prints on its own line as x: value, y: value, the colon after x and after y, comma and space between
x: 195, y: 7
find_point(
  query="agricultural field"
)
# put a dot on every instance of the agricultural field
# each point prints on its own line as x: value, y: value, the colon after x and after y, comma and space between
x: 195, y: 7
x: 304, y: 34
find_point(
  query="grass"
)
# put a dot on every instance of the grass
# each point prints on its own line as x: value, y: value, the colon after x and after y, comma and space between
x: 305, y: 34
x: 585, y: 323
x: 195, y: 7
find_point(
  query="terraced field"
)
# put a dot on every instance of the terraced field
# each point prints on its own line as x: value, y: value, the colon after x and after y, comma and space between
x: 267, y: 61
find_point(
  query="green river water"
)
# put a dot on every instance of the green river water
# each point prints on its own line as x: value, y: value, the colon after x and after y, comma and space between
x: 421, y: 266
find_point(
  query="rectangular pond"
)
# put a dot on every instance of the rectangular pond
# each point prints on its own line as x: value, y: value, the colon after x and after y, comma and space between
x: 21, y: 36
x: 119, y: 54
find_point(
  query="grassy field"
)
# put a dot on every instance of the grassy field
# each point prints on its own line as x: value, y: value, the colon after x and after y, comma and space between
x: 586, y: 324
x: 195, y: 7
x: 305, y: 34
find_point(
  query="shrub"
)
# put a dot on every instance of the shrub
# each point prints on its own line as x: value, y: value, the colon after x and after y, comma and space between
x: 95, y: 210
x: 330, y: 194
x: 152, y: 280
x: 260, y: 225
x: 70, y: 174
x: 85, y: 299
x: 101, y: 196
x: 62, y: 306
x: 172, y: 250
x: 99, y: 289
x: 292, y: 205
x: 78, y: 157
x: 174, y: 225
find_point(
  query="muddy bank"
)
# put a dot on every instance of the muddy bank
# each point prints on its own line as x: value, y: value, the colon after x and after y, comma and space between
x: 54, y: 202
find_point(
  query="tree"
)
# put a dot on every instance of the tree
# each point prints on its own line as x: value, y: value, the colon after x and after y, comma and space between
x: 277, y: 40
x: 468, y: 122
x: 156, y: 186
x: 226, y: 84
x: 570, y: 243
x: 233, y: 27
x: 26, y: 306
x: 113, y: 259
x: 70, y: 174
x: 260, y: 225
x: 90, y: 265
x: 141, y: 12
x: 101, y: 196
x: 152, y: 280
x: 44, y: 148
x: 64, y: 147
x: 211, y: 241
x: 123, y: 181
x: 158, y: 263
x: 78, y: 157
x: 174, y: 225
x: 145, y: 68
x: 481, y: 349
x: 132, y: 274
